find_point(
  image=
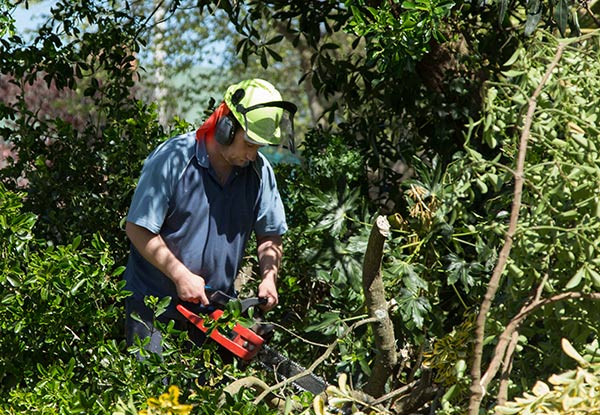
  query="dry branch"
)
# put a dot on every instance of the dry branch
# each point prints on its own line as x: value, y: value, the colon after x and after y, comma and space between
x: 316, y: 363
x: 259, y: 386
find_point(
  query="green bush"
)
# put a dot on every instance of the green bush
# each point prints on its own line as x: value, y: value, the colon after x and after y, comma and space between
x: 60, y: 320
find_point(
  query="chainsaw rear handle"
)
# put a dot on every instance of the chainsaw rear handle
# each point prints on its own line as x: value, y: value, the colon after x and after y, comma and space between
x: 219, y: 299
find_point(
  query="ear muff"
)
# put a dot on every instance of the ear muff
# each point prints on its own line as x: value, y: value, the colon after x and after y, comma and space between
x: 225, y: 130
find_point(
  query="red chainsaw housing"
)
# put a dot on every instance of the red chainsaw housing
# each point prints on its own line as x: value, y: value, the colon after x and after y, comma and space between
x: 242, y: 342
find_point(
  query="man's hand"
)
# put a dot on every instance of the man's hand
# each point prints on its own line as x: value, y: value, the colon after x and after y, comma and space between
x: 268, y: 289
x: 191, y: 288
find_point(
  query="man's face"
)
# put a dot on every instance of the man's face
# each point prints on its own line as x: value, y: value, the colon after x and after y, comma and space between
x: 240, y: 152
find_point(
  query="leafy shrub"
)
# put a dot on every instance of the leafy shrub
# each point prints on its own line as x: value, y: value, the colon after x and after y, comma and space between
x: 60, y: 320
x: 61, y: 332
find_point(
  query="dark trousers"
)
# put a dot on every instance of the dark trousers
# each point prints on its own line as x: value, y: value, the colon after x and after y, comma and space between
x: 146, y: 328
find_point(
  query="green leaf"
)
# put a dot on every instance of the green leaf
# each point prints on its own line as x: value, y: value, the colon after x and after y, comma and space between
x: 162, y: 305
x: 561, y: 15
x: 330, y: 45
x: 263, y: 59
x: 534, y: 15
x: 329, y: 318
x: 595, y: 277
x: 413, y: 309
x: 274, y: 55
x: 76, y: 242
x: 576, y: 279
x: 275, y: 39
x: 15, y: 283
x: 508, y: 410
x: 76, y: 287
x: 502, y: 11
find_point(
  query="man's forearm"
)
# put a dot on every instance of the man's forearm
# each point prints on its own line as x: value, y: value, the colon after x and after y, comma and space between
x: 270, y: 252
x: 190, y: 287
x: 153, y: 248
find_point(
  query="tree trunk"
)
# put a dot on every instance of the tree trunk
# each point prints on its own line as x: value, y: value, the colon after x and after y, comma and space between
x: 385, y: 341
x: 159, y: 54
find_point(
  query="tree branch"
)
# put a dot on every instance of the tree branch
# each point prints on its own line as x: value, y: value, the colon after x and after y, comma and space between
x: 507, y: 364
x: 316, y: 363
x: 385, y: 341
x: 251, y: 382
x: 477, y: 388
x: 507, y: 338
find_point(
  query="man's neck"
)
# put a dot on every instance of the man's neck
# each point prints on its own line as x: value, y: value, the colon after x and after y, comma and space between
x: 221, y: 166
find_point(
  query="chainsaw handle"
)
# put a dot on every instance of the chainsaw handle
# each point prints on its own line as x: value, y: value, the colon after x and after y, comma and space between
x: 252, y: 302
x: 218, y: 299
x: 241, y: 341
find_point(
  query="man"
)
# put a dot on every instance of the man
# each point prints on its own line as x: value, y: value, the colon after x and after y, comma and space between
x: 199, y: 197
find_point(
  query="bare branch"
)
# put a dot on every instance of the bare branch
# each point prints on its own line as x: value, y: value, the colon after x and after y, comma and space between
x: 507, y: 337
x: 316, y: 363
x: 476, y: 386
x: 507, y: 364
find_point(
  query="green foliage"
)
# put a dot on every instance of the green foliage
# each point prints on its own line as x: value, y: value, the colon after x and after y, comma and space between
x: 60, y: 303
x: 555, y: 247
x: 405, y: 80
x: 559, y: 221
x: 61, y: 325
x: 79, y: 136
x: 410, y: 26
x: 7, y: 22
x: 80, y: 182
x: 560, y: 16
x: 323, y: 196
x: 321, y: 273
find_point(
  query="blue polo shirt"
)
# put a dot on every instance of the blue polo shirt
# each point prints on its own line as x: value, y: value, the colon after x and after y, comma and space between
x: 205, y: 225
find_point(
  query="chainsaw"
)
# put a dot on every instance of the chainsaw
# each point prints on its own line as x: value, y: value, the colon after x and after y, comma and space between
x: 247, y: 344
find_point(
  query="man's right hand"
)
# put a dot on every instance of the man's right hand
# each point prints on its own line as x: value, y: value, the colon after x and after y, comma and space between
x: 191, y: 288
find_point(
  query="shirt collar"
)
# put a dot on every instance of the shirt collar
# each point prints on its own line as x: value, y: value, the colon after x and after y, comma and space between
x: 201, y: 153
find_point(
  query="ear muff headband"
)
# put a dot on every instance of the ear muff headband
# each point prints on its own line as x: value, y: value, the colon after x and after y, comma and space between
x: 286, y: 105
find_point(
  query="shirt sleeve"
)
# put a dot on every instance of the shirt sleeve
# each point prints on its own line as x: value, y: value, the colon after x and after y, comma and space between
x: 271, y: 213
x: 160, y: 173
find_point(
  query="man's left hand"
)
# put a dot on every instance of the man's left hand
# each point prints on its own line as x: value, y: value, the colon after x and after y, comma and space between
x: 268, y: 289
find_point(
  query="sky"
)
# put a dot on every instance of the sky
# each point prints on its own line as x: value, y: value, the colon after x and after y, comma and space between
x: 28, y: 19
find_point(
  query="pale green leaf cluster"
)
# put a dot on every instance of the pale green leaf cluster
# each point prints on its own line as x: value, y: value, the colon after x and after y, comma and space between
x: 573, y: 392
